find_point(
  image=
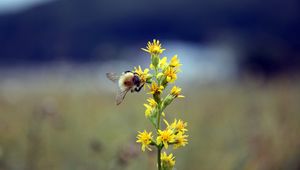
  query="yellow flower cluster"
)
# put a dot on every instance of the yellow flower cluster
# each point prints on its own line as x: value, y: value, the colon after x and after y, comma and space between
x: 163, y: 74
x: 178, y: 128
x: 173, y: 134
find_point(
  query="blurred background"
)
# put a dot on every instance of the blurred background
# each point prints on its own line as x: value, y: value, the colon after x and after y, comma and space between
x: 240, y: 76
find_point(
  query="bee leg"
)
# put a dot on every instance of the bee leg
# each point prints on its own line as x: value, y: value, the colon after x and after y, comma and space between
x: 137, y: 89
x: 127, y: 71
x: 132, y: 90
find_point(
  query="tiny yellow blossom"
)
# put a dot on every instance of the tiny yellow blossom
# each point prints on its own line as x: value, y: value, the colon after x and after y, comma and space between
x: 167, y: 161
x: 175, y: 62
x: 175, y: 91
x: 170, y: 74
x: 152, y: 102
x: 165, y: 137
x: 162, y: 63
x: 180, y: 140
x: 155, y: 89
x: 145, y: 139
x: 179, y: 126
x: 144, y: 75
x: 154, y: 48
x: 149, y: 107
x: 148, y: 110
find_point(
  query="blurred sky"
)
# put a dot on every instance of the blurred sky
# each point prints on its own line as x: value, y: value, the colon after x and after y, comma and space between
x: 224, y: 37
x: 8, y: 6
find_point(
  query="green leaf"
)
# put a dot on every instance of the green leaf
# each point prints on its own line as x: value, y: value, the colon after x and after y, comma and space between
x: 153, y: 121
x: 153, y: 118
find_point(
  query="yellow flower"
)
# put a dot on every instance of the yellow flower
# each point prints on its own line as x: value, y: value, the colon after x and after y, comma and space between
x: 180, y: 140
x: 148, y: 110
x: 162, y: 63
x: 144, y: 75
x: 145, y: 139
x: 152, y: 102
x: 170, y: 74
x: 149, y: 107
x: 175, y: 91
x: 167, y: 161
x: 175, y: 62
x: 155, y: 89
x: 178, y: 126
x: 165, y: 137
x: 154, y: 48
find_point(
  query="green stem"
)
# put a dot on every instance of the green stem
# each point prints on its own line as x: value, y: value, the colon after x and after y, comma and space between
x: 158, y: 157
x: 158, y: 100
x: 157, y: 128
x: 158, y: 119
x: 159, y: 148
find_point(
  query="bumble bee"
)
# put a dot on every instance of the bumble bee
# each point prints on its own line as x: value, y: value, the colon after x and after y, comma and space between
x: 127, y: 81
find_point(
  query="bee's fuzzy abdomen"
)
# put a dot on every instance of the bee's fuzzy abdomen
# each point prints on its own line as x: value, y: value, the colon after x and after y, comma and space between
x: 125, y: 81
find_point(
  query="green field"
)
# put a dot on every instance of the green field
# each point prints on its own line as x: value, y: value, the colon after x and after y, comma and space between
x: 73, y: 124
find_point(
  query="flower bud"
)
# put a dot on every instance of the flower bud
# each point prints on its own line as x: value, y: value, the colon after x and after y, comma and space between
x: 155, y: 60
x: 167, y: 101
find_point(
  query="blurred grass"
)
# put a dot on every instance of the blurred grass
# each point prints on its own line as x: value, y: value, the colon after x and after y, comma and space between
x: 75, y: 125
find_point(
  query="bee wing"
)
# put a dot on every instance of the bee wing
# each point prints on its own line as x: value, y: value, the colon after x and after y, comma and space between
x: 113, y: 77
x: 121, y: 95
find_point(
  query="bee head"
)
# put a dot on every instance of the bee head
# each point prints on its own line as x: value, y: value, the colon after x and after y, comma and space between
x: 136, y: 80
